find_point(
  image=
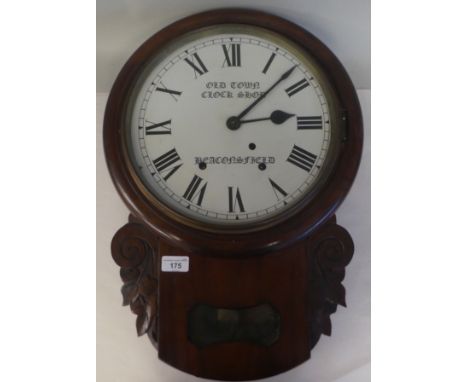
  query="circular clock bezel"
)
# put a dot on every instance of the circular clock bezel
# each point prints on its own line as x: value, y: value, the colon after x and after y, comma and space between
x: 242, y: 225
x: 314, y: 210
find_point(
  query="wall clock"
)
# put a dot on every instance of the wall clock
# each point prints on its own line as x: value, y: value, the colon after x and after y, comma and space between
x: 233, y: 136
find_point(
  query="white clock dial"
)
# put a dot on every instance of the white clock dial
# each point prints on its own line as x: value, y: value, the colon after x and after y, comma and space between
x: 207, y: 141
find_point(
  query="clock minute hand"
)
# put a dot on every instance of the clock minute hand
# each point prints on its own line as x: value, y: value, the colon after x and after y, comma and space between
x: 250, y: 107
x: 234, y: 122
x: 277, y: 117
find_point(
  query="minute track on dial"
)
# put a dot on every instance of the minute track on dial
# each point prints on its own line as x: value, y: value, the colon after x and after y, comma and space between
x: 202, y: 170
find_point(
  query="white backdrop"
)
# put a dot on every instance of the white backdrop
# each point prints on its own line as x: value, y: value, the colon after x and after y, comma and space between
x: 122, y: 25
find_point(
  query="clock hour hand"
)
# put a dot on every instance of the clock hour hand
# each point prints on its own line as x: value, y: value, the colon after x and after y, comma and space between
x: 277, y: 117
x: 233, y: 123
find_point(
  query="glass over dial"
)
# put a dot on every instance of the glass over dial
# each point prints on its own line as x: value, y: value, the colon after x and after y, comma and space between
x: 231, y: 126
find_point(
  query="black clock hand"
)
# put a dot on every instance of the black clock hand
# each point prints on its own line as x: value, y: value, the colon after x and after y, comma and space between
x: 277, y: 117
x: 282, y: 78
x: 234, y: 123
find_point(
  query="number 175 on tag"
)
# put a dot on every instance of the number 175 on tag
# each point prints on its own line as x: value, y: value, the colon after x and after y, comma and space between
x: 175, y: 264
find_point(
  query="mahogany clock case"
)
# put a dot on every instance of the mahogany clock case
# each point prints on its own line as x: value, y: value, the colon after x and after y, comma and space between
x: 246, y: 278
x: 316, y: 209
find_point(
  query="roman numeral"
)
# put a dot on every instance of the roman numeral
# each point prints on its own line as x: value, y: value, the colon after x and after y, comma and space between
x: 270, y: 60
x: 158, y: 128
x: 173, y: 93
x: 235, y: 200
x: 278, y: 190
x: 164, y: 163
x: 309, y: 123
x: 302, y: 158
x: 297, y: 87
x: 193, y: 191
x: 198, y: 66
x: 232, y: 56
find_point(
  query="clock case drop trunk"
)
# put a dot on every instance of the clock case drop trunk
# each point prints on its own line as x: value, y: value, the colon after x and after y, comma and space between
x: 301, y: 284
